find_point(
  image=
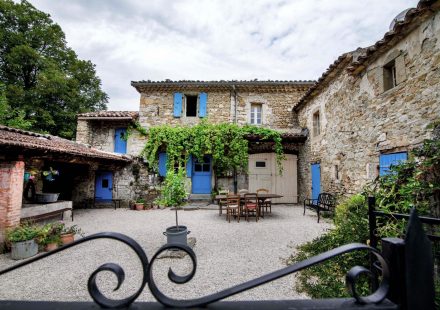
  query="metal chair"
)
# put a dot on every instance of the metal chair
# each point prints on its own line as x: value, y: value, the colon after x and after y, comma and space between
x: 266, y: 203
x: 251, y: 205
x: 222, y: 202
x: 232, y: 207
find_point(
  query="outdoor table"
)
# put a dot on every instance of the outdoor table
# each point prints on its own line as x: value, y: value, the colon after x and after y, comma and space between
x: 261, y: 197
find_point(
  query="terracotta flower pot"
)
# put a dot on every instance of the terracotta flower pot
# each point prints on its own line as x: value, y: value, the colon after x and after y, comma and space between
x: 139, y: 206
x: 51, y: 246
x: 67, y: 238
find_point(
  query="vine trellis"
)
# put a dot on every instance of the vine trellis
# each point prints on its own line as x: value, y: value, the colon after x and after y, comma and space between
x: 225, y: 142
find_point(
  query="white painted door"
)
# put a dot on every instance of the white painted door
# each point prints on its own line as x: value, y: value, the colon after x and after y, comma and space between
x: 264, y: 173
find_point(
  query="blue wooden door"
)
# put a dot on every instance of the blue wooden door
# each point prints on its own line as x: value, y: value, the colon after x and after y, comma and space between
x: 316, y: 180
x: 104, y: 185
x: 201, y: 175
x: 386, y: 160
x: 120, y: 140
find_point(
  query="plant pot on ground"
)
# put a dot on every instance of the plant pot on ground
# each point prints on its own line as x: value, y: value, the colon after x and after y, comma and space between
x: 68, y: 234
x: 139, y: 205
x: 174, y: 195
x: 22, y: 240
x: 49, y: 235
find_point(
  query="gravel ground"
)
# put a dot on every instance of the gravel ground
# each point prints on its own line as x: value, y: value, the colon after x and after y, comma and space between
x: 227, y: 254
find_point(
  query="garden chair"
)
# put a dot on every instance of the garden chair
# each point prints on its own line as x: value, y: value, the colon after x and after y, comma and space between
x: 251, y: 205
x: 232, y: 207
x: 266, y: 203
x: 222, y: 202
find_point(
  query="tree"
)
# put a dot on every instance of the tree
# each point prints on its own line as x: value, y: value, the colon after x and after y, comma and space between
x: 9, y: 116
x: 44, y: 79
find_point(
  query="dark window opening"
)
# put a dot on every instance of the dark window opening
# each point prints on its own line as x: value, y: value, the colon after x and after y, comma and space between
x: 260, y: 164
x: 104, y: 183
x: 179, y: 163
x: 389, y: 75
x: 191, y: 106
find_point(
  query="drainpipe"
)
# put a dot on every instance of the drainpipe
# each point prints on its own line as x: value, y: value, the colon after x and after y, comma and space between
x: 235, y: 122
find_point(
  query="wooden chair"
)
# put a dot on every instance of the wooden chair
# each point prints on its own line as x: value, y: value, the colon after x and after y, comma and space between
x: 222, y: 202
x: 242, y: 192
x: 251, y: 205
x: 232, y: 207
x: 266, y: 203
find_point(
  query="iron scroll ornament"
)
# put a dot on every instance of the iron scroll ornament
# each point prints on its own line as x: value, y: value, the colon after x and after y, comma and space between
x: 100, y: 299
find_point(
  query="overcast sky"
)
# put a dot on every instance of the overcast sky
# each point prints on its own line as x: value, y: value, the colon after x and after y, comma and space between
x: 131, y: 40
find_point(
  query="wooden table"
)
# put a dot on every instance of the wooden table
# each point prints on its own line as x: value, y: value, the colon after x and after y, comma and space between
x: 260, y: 197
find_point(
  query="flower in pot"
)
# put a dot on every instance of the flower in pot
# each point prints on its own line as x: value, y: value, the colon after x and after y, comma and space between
x: 175, y: 195
x: 68, y: 234
x: 50, y: 235
x: 139, y: 204
x: 49, y: 174
x: 22, y: 240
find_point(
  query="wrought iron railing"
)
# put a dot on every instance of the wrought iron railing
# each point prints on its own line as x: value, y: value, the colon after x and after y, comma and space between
x: 376, y: 300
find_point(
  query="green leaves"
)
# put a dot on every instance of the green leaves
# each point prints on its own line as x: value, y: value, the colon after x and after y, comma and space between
x: 226, y: 143
x: 45, y: 81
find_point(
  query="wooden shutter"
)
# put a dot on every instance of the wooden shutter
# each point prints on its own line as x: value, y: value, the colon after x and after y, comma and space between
x: 189, y: 167
x: 203, y: 98
x: 120, y: 141
x: 177, y: 104
x: 386, y: 160
x: 162, y: 164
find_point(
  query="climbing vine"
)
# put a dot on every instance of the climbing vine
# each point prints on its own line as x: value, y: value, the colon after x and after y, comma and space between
x: 226, y: 143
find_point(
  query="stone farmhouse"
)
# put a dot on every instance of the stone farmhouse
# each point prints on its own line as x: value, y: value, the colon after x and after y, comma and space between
x: 368, y: 109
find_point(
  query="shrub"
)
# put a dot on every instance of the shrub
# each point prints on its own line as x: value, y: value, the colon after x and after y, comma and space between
x: 327, y: 280
x: 22, y: 232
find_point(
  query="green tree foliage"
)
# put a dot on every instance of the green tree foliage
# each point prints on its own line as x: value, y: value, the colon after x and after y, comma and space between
x: 327, y: 280
x: 44, y: 80
x: 11, y: 117
x: 226, y: 143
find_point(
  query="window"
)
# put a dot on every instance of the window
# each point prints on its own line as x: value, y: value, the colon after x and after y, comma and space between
x: 386, y: 160
x: 256, y: 114
x: 336, y: 172
x: 204, y: 166
x: 191, y: 106
x: 389, y: 75
x: 316, y: 124
x: 260, y: 164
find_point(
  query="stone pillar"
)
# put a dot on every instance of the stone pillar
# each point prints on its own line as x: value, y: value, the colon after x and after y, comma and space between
x: 11, y: 193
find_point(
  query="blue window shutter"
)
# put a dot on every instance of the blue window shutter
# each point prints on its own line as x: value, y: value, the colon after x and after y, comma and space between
x: 177, y: 104
x: 203, y: 98
x: 120, y: 142
x: 162, y: 164
x: 386, y: 160
x: 189, y: 167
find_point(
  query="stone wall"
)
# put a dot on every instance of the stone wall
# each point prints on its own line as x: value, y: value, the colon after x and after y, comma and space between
x: 360, y: 120
x: 156, y: 108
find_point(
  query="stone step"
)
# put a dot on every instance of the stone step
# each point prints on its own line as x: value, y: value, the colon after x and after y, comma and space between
x: 200, y: 197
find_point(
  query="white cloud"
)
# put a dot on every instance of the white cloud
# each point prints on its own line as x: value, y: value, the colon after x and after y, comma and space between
x: 205, y: 40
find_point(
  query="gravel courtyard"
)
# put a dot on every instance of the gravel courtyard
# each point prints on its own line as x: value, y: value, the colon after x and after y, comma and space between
x: 227, y: 254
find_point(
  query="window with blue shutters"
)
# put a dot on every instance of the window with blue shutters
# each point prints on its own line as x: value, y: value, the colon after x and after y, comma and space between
x: 120, y: 140
x: 386, y: 160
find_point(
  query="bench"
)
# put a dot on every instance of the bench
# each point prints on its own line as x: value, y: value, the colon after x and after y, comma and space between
x: 47, y: 215
x: 325, y: 202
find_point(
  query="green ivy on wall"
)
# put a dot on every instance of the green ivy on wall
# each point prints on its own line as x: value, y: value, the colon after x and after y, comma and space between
x: 226, y: 143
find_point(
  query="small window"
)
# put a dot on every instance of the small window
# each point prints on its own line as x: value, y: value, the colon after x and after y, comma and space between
x: 204, y: 166
x: 191, y: 106
x: 387, y: 160
x: 260, y: 164
x: 256, y: 114
x: 389, y: 75
x: 316, y: 124
x: 104, y: 183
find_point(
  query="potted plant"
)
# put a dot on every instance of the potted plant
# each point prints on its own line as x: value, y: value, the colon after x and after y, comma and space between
x: 49, y: 174
x: 174, y: 195
x: 68, y: 234
x: 139, y: 204
x: 22, y: 240
x: 50, y: 235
